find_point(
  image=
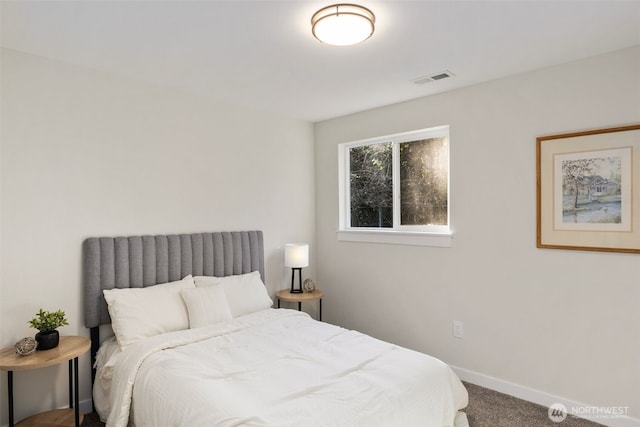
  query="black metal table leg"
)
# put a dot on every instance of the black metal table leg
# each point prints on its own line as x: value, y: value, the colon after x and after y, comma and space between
x: 299, y: 305
x: 76, y: 391
x: 70, y: 384
x: 320, y: 310
x: 278, y: 302
x: 10, y: 381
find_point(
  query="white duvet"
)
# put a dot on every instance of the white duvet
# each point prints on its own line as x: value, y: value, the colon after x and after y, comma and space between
x: 280, y: 368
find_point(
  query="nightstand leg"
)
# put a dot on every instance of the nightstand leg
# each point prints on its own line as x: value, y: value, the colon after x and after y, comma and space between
x: 278, y: 302
x: 70, y: 384
x: 76, y: 391
x: 299, y: 305
x: 320, y: 310
x: 10, y: 381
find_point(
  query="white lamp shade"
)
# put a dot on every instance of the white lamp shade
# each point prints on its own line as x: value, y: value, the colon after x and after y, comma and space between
x: 296, y: 255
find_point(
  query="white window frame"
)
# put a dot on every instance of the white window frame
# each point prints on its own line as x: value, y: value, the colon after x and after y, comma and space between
x: 421, y: 235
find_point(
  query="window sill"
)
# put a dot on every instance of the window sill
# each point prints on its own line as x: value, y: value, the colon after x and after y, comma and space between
x: 414, y: 238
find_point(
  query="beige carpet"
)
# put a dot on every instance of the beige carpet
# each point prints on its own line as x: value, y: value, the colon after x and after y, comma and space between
x: 487, y: 408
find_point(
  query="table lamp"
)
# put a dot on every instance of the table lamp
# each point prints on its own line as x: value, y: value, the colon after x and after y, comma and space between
x: 296, y: 256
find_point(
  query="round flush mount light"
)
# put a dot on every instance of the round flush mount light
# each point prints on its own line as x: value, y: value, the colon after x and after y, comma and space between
x: 343, y: 24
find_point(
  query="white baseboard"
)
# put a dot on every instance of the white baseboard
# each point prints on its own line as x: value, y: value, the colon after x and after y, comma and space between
x: 539, y: 397
x: 86, y: 407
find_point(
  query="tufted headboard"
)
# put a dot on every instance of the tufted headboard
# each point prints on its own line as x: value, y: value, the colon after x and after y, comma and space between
x: 141, y: 261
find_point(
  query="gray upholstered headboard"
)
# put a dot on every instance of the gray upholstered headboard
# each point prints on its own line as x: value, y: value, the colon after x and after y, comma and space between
x: 140, y: 261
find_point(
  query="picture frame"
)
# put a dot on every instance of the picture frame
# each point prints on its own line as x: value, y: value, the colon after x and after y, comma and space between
x: 588, y: 190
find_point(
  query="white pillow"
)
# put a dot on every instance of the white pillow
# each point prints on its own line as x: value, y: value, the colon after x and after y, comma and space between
x: 206, y: 305
x: 245, y: 292
x: 138, y: 313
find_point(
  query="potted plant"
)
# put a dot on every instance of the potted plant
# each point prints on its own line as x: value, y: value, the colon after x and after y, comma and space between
x: 47, y: 322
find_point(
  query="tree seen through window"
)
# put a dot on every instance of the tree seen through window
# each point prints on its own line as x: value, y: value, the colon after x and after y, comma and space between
x: 423, y: 183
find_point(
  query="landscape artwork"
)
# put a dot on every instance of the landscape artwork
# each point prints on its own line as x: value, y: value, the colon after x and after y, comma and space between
x: 588, y: 190
x: 592, y: 190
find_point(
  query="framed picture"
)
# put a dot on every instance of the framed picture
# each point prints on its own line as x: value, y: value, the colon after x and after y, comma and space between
x: 588, y: 190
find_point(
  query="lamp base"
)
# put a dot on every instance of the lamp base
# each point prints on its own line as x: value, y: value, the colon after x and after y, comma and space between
x: 297, y: 290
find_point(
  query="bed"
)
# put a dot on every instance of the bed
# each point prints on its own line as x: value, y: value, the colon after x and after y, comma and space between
x: 196, y: 343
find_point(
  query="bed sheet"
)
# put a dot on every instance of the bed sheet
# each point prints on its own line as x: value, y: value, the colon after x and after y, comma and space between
x: 280, y: 368
x: 105, y: 360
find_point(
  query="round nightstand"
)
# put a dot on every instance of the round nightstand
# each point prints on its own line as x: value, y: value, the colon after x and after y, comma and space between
x: 69, y: 349
x: 286, y: 295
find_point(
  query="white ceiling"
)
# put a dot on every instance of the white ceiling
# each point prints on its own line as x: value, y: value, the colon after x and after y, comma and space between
x: 261, y: 54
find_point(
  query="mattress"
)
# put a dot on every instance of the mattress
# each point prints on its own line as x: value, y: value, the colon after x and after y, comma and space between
x: 278, y: 368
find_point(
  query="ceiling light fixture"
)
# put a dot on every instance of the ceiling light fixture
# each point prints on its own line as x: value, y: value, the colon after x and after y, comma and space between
x: 343, y: 24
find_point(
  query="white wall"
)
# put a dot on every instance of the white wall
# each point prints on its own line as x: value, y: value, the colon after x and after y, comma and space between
x: 90, y: 154
x: 566, y: 323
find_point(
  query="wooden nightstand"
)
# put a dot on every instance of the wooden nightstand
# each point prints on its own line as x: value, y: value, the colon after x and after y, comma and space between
x: 286, y: 295
x: 69, y: 349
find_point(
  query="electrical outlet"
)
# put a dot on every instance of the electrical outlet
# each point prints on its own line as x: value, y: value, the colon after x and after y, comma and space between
x: 458, y: 329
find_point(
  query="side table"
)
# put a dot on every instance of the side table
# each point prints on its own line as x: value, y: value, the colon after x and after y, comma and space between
x: 286, y: 295
x: 69, y: 349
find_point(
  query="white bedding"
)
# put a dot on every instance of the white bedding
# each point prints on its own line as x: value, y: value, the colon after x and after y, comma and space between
x: 280, y: 368
x: 105, y: 360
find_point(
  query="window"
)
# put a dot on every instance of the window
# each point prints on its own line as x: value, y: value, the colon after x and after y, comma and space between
x: 397, y: 184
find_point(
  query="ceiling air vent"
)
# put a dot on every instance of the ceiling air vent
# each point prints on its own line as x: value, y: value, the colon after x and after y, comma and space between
x: 428, y: 79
